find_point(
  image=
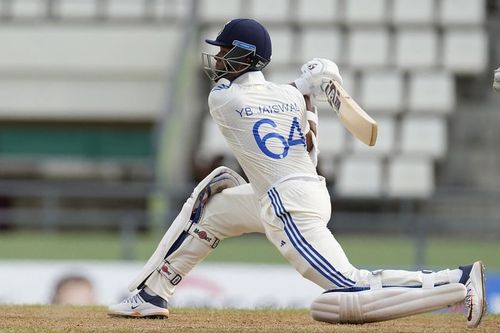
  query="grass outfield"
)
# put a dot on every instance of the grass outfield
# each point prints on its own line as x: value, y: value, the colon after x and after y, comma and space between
x: 363, y: 251
x: 94, y: 319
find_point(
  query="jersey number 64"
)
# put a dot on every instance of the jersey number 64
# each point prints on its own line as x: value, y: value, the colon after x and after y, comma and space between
x: 279, y: 147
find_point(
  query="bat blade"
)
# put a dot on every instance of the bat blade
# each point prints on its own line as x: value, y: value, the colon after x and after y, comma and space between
x: 350, y: 114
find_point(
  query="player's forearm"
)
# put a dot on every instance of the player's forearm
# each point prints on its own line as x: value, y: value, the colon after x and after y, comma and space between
x: 312, y: 125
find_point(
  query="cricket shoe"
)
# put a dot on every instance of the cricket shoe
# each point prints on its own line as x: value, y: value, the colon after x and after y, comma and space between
x: 140, y: 305
x: 475, y: 300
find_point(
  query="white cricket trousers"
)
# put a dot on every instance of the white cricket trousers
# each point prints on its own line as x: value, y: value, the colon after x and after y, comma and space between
x: 293, y: 215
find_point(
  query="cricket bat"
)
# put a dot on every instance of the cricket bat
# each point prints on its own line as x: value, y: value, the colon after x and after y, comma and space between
x: 350, y: 114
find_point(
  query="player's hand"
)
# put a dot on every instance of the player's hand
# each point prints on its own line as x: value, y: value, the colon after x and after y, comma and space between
x: 496, y: 80
x: 315, y: 72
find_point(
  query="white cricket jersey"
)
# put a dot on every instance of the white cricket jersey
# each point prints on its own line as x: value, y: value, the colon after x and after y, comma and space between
x: 264, y: 124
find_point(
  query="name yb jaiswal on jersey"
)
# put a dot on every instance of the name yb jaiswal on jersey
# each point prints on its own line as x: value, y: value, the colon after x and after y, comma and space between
x: 248, y: 111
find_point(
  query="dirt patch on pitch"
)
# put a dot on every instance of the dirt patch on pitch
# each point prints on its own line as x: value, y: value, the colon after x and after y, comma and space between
x: 94, y: 319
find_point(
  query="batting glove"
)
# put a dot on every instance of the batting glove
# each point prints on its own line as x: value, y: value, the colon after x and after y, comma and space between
x: 315, y: 72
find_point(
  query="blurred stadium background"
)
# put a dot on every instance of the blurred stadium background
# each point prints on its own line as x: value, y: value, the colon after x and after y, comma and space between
x: 104, y: 131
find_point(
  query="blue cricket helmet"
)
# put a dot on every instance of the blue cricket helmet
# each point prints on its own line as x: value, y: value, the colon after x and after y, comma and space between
x: 246, y: 33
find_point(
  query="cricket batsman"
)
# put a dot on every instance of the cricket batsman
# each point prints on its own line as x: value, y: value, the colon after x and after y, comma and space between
x: 271, y: 129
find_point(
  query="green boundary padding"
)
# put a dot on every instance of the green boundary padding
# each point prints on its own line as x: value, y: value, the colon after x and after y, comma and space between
x: 84, y: 141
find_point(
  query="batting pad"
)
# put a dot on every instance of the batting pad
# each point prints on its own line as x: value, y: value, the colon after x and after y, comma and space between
x: 357, y: 307
x: 216, y: 181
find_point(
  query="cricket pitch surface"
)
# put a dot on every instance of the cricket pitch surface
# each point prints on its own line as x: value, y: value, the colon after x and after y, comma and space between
x: 57, y: 318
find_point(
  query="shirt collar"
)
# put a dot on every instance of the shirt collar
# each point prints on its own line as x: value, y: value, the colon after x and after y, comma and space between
x: 250, y: 78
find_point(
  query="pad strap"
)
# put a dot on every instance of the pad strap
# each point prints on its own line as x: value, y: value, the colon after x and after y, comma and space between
x: 428, y: 279
x: 201, y: 233
x: 170, y: 273
x: 375, y: 280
